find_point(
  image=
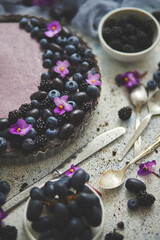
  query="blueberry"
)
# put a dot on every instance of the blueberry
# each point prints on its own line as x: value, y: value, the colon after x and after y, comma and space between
x: 47, y: 63
x: 53, y: 93
x: 156, y: 76
x: 35, y: 104
x: 56, y: 56
x: 51, y: 133
x: 70, y: 48
x: 23, y: 22
x: 85, y: 66
x: 71, y: 86
x: 92, y: 91
x: 47, y: 54
x: 31, y: 120
x: 78, y: 77
x: 29, y: 27
x: 5, y: 134
x: 52, y: 122
x: 73, y: 40
x: 151, y: 85
x: 61, y: 40
x: 3, y: 144
x: 34, y: 31
x: 4, y: 187
x: 75, y: 58
x: 74, y: 105
x: 45, y: 76
x: 88, y: 53
x: 34, y: 21
x: 31, y: 134
x: 2, y: 199
x: 28, y: 145
x: 132, y: 204
x: 44, y: 43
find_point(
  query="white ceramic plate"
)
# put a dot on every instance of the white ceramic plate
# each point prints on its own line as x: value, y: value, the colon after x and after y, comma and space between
x: 33, y: 235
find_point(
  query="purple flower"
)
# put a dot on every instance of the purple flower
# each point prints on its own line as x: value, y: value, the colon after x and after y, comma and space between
x: 94, y: 79
x: 72, y: 170
x: 42, y: 2
x: 146, y: 168
x: 2, y: 214
x: 53, y: 29
x: 61, y: 68
x: 129, y: 79
x: 20, y: 128
x: 62, y: 105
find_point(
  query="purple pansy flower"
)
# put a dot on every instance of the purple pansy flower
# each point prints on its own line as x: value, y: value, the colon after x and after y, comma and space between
x: 146, y: 168
x: 61, y: 67
x: 62, y: 105
x: 2, y: 214
x: 20, y: 128
x: 53, y: 29
x: 72, y: 170
x: 93, y: 79
x: 129, y: 79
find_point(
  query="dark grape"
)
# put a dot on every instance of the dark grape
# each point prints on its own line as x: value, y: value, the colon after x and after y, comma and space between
x: 61, y: 189
x: 86, y: 234
x: 74, y: 209
x: 37, y: 194
x: 75, y: 226
x: 61, y: 214
x: 49, y: 189
x: 45, y: 235
x: 78, y: 179
x: 42, y: 224
x: 93, y: 216
x: 34, y: 210
x: 66, y: 180
x: 87, y: 200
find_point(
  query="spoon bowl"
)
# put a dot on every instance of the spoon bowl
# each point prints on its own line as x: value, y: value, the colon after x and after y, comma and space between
x: 139, y: 96
x: 112, y: 179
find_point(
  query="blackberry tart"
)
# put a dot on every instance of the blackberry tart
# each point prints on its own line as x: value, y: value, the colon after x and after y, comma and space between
x: 50, y: 83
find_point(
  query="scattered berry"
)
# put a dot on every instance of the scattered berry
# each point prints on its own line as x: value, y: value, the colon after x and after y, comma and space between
x: 8, y: 233
x: 132, y: 204
x: 120, y: 225
x: 145, y: 199
x: 125, y: 113
x: 114, y: 236
x: 4, y: 187
x: 152, y: 84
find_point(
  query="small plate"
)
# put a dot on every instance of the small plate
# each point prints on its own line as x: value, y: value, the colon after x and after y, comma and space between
x: 33, y: 235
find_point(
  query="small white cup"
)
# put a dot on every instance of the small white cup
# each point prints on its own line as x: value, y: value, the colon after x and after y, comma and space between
x: 123, y: 56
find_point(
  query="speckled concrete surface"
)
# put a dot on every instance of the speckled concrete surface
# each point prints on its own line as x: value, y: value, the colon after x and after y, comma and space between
x: 141, y: 224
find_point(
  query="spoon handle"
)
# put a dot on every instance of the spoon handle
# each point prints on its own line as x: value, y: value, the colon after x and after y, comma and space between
x: 137, y: 144
x: 150, y: 148
x: 137, y: 133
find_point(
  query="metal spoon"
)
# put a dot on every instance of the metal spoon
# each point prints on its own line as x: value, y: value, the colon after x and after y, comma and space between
x: 114, y: 178
x: 154, y: 109
x: 138, y: 98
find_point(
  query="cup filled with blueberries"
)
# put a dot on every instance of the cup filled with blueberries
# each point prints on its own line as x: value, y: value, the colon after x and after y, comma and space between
x: 128, y: 34
x: 65, y: 208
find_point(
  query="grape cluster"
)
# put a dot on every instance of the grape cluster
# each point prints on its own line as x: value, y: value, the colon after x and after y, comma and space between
x: 72, y: 209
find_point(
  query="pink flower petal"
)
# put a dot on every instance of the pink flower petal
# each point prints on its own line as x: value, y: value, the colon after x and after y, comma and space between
x: 65, y: 63
x: 21, y: 123
x: 90, y: 75
x: 57, y: 110
x: 49, y: 33
x: 96, y: 76
x: 61, y: 112
x: 24, y: 131
x: 57, y: 101
x: 68, y: 107
x: 64, y: 98
x: 56, y: 69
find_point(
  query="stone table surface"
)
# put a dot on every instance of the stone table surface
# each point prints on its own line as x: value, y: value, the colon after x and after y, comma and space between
x: 142, y: 223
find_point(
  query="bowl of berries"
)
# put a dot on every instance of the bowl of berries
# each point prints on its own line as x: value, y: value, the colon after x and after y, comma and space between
x: 128, y: 34
x: 66, y: 208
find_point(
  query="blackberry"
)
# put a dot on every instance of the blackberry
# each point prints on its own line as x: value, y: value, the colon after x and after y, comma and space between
x: 24, y: 108
x: 46, y: 86
x: 125, y: 113
x: 41, y: 126
x: 114, y: 236
x: 91, y: 61
x: 128, y: 48
x: 86, y: 106
x: 116, y: 31
x: 83, y: 86
x: 145, y: 199
x: 115, y: 44
x: 46, y: 103
x: 77, y: 68
x: 40, y: 141
x: 65, y: 93
x: 80, y: 51
x: 62, y: 119
x: 13, y: 116
x: 8, y: 233
x: 65, y: 57
x: 107, y: 33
